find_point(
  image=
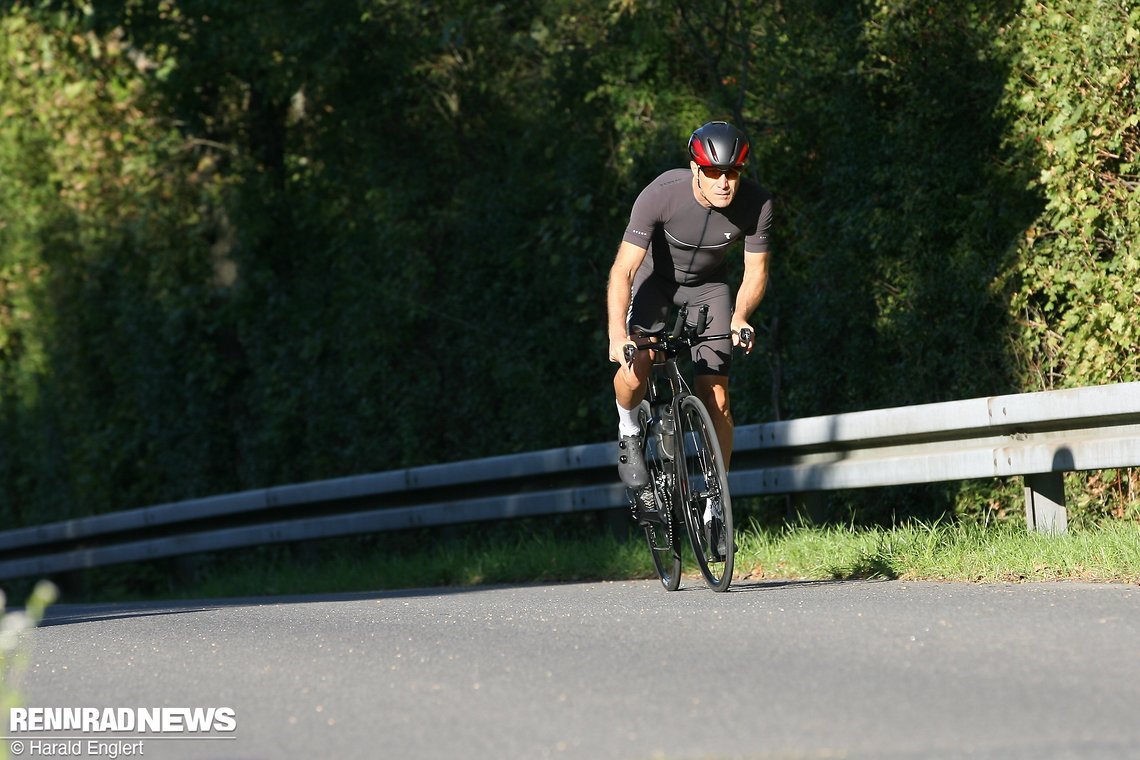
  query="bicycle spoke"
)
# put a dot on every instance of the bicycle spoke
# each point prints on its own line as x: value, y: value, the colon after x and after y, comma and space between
x: 705, y: 494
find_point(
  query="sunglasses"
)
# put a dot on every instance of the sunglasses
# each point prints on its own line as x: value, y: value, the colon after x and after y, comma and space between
x: 714, y: 173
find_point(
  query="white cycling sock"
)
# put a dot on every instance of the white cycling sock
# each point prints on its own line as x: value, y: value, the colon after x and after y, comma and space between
x: 627, y: 421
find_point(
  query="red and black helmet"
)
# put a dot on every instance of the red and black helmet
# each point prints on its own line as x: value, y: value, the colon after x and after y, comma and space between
x: 720, y: 145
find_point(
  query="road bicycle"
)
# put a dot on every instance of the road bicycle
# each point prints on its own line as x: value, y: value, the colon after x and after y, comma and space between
x: 688, y: 482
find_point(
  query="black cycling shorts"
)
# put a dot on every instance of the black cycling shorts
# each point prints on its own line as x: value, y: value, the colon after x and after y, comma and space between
x: 651, y: 306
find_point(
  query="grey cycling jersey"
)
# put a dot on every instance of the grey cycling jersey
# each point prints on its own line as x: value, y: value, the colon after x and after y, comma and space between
x: 688, y: 242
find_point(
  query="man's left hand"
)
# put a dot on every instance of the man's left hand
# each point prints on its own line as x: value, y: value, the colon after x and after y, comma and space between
x: 737, y: 327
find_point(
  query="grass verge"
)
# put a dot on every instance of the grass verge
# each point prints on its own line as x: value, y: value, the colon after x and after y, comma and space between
x: 1003, y: 552
x: 943, y: 551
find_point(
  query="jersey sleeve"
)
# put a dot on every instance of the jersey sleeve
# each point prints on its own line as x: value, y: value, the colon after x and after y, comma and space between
x: 756, y: 241
x: 644, y: 216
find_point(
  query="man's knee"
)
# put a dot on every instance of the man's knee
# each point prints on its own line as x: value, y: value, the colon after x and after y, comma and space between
x: 713, y: 391
x: 633, y: 376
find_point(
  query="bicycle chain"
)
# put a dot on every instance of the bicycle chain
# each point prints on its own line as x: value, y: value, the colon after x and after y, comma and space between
x: 664, y: 502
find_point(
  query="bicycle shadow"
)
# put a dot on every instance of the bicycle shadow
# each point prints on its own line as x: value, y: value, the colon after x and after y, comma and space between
x: 775, y: 584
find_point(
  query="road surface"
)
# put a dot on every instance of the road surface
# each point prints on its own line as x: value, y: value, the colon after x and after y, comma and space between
x: 625, y: 670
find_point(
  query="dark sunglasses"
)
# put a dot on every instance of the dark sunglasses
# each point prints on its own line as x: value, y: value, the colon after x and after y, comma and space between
x: 714, y: 173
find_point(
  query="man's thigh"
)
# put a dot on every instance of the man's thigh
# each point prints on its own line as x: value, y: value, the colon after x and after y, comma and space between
x: 713, y: 357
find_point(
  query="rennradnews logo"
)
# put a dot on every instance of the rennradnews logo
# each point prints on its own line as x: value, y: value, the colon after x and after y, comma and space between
x: 139, y: 720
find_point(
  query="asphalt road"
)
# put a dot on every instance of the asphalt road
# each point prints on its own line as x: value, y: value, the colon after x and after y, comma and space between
x: 616, y: 670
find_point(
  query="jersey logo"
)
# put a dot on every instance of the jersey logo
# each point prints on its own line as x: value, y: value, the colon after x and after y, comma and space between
x: 728, y: 236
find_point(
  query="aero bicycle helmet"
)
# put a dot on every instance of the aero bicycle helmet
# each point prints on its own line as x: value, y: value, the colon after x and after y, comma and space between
x: 720, y: 145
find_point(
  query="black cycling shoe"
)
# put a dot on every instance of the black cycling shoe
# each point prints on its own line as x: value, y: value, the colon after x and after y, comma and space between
x: 718, y: 547
x: 631, y: 463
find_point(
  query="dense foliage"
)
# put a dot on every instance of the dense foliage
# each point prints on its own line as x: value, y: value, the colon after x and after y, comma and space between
x: 1075, y: 116
x: 250, y: 244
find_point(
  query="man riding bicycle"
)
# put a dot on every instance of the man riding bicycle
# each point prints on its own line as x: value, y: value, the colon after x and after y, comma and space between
x: 686, y: 219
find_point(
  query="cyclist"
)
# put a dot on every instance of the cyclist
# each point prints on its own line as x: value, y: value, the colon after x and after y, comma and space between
x: 686, y: 220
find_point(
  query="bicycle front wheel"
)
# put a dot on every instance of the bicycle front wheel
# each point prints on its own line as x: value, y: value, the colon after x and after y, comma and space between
x: 705, y: 500
x: 655, y: 506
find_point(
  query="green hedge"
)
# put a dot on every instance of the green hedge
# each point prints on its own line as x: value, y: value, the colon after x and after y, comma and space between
x: 1075, y: 120
x: 241, y: 249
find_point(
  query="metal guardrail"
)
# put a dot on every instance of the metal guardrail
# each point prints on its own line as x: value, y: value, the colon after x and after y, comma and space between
x: 1036, y: 435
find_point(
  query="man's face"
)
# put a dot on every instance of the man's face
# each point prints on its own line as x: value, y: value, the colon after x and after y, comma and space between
x: 718, y: 187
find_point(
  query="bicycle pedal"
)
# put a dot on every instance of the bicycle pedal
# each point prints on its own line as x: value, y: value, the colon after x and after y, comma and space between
x: 714, y: 554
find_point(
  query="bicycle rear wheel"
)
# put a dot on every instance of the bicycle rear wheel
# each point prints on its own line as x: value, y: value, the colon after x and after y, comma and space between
x: 705, y: 500
x: 655, y: 505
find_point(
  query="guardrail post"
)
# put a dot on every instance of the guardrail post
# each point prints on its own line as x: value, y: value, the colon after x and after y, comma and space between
x: 1045, y: 503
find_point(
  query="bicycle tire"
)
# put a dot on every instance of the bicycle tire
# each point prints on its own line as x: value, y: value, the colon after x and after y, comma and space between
x: 705, y: 479
x: 661, y: 533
